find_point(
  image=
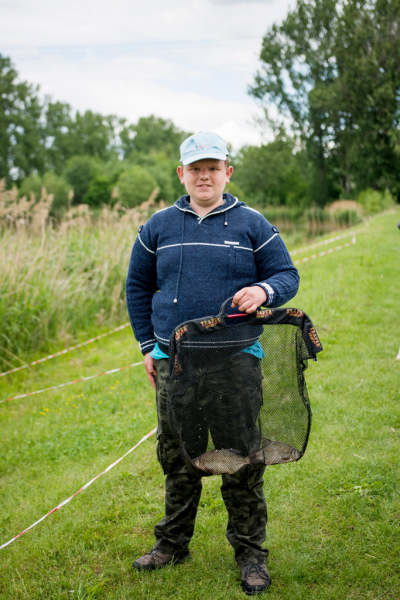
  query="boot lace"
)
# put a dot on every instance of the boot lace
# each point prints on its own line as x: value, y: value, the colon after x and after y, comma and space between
x: 255, y: 570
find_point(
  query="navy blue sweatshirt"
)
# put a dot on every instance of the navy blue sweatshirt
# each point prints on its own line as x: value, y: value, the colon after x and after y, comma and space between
x: 183, y: 266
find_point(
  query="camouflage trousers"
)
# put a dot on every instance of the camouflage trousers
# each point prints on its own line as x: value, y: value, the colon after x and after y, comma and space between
x: 242, y: 492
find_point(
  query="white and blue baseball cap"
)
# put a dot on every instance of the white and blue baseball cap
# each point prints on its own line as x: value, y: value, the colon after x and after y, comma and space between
x: 204, y: 144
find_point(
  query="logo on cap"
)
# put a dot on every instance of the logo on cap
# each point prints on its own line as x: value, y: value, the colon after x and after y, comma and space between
x: 203, y: 147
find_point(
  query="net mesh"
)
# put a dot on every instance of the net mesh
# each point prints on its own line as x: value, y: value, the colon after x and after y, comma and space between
x: 229, y: 407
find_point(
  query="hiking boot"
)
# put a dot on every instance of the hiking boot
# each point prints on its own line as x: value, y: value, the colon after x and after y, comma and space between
x: 255, y: 579
x: 158, y: 560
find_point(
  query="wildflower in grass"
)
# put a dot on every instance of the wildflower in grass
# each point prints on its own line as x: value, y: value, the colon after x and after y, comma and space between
x: 43, y: 413
x: 100, y: 402
x: 74, y: 405
x: 112, y: 387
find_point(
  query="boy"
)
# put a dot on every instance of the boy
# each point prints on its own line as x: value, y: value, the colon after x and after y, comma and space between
x: 185, y: 262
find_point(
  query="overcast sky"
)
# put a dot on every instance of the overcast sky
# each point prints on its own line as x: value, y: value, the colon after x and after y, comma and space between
x: 190, y: 61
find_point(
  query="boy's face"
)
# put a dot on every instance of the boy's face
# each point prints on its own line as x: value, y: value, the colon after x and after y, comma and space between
x: 205, y: 180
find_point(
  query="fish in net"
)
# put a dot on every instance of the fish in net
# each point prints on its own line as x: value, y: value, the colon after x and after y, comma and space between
x: 237, y: 395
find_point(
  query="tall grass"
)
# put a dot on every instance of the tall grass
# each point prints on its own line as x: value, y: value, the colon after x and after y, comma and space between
x: 54, y: 286
x: 56, y: 283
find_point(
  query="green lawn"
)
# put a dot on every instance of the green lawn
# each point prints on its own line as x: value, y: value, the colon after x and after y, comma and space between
x: 334, y: 517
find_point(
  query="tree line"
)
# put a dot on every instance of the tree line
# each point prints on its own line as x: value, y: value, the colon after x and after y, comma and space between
x: 329, y: 85
x: 46, y: 143
x: 332, y: 71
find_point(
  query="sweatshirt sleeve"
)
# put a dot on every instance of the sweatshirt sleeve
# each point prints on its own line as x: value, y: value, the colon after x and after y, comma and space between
x: 278, y: 276
x: 141, y: 285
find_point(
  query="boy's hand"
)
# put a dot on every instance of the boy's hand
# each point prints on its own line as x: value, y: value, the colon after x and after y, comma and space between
x: 150, y: 370
x: 248, y: 299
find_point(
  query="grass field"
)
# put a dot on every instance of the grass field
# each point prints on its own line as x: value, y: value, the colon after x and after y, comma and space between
x: 334, y: 517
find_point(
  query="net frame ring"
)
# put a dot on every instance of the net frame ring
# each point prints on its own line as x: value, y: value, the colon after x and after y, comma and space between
x: 185, y: 341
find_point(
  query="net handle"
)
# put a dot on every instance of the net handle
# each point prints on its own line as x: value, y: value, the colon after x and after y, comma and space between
x: 222, y: 311
x: 223, y: 315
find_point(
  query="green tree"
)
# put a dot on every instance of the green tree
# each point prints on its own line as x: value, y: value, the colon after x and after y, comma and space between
x: 298, y: 66
x: 54, y: 184
x: 332, y: 70
x: 113, y: 168
x: 163, y: 169
x: 135, y: 186
x: 89, y: 134
x: 32, y: 183
x: 375, y: 202
x: 21, y: 133
x: 152, y: 135
x: 57, y: 185
x: 273, y: 174
x: 58, y: 124
x: 365, y: 112
x: 99, y: 191
x: 162, y: 176
x: 164, y: 172
x: 80, y: 172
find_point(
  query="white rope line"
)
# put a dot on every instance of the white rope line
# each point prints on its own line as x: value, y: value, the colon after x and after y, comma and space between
x: 325, y: 252
x: 61, y: 385
x: 322, y: 243
x: 36, y: 362
x: 80, y: 490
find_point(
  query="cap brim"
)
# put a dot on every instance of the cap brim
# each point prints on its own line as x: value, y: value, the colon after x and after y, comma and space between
x: 192, y: 159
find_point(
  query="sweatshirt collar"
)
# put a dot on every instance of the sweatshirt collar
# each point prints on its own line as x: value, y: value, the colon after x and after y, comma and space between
x: 230, y: 202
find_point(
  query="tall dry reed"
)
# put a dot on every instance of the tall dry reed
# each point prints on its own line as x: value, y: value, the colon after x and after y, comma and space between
x: 56, y: 284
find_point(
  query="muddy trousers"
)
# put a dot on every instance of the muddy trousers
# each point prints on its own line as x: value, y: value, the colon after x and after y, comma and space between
x: 242, y: 493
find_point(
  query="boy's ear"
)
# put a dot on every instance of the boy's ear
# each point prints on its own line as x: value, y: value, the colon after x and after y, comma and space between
x: 229, y: 173
x: 179, y: 170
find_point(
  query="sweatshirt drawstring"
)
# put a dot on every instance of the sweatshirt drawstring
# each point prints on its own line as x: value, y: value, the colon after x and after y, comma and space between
x: 226, y: 212
x: 181, y: 258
